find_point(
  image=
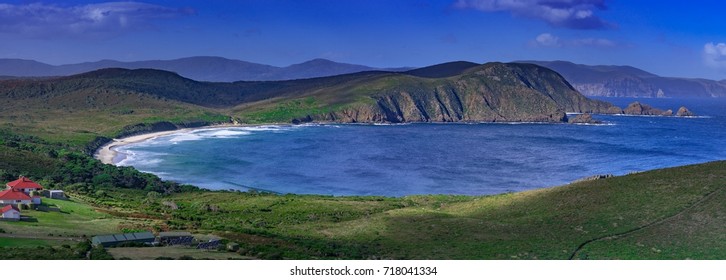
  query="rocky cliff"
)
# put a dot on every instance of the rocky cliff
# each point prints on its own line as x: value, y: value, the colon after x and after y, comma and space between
x: 493, y: 92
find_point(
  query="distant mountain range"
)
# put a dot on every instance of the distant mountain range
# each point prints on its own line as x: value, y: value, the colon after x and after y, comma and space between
x: 200, y: 68
x: 600, y: 80
x: 627, y: 81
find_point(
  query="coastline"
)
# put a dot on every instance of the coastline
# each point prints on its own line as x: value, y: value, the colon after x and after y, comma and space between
x: 107, y: 152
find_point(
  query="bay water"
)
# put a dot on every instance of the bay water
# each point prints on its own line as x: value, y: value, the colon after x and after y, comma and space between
x: 431, y: 158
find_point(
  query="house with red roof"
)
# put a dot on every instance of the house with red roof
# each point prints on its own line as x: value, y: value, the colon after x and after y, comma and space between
x: 19, y: 192
x: 12, y: 197
x: 25, y: 185
x: 10, y: 212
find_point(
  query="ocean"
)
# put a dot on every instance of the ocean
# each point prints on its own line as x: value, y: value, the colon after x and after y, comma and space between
x: 430, y: 158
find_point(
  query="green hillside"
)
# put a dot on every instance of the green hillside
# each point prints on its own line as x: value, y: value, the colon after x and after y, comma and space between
x: 48, y: 125
x: 492, y: 92
x: 102, y: 103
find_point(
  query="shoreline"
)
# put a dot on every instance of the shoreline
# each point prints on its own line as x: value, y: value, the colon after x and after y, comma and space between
x: 107, y: 153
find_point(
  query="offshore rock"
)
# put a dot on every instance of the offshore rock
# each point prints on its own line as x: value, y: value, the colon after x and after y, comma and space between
x: 684, y: 112
x: 584, y: 119
x: 637, y: 108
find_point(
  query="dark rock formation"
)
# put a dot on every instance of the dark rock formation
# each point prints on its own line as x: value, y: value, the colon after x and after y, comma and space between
x: 614, y: 110
x: 583, y: 118
x: 684, y: 112
x: 637, y: 108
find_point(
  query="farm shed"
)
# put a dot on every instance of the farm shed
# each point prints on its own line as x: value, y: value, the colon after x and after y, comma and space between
x: 113, y: 240
x: 56, y: 194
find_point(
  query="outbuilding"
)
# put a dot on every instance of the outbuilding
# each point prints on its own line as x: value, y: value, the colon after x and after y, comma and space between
x: 113, y: 240
x: 10, y: 212
x: 56, y: 194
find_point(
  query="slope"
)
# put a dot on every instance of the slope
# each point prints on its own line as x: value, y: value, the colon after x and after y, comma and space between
x: 627, y: 81
x: 492, y: 92
x: 102, y: 102
x: 201, y: 68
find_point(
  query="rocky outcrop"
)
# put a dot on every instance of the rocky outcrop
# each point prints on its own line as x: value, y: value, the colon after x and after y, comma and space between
x: 583, y: 119
x: 493, y: 92
x: 614, y: 110
x: 637, y: 108
x: 684, y: 112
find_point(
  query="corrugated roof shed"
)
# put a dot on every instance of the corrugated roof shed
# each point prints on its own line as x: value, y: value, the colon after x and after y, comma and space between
x: 114, y: 239
x: 143, y: 235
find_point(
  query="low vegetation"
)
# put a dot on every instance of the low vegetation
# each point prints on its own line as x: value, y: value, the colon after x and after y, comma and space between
x: 49, y: 128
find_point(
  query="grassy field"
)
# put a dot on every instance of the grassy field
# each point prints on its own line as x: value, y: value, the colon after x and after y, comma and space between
x: 74, y: 220
x: 174, y: 252
x: 674, y: 213
x: 21, y: 242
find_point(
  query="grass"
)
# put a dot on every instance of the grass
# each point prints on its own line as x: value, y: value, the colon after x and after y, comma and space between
x: 72, y: 120
x: 673, y: 213
x: 74, y: 220
x: 175, y: 252
x: 286, y: 111
x: 21, y: 242
x: 541, y: 224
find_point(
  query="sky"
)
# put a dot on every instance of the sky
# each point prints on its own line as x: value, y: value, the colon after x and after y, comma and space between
x: 668, y: 38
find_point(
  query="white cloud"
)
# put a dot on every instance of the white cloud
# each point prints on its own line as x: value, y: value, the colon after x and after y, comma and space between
x: 575, y: 14
x: 547, y: 40
x: 100, y: 19
x: 714, y: 55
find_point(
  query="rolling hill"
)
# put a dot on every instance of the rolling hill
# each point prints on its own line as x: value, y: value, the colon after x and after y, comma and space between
x: 451, y: 92
x: 201, y: 68
x: 627, y: 81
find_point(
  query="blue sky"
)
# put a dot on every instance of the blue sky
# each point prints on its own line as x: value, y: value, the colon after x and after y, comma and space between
x: 678, y: 38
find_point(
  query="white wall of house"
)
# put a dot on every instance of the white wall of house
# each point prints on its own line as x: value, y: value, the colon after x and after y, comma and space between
x: 13, y: 201
x: 35, y: 200
x: 12, y: 214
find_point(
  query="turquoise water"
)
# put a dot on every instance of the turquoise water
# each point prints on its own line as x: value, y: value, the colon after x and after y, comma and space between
x: 397, y: 160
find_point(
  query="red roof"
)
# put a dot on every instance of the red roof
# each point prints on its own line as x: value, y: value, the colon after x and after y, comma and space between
x: 13, y: 195
x: 24, y: 183
x: 8, y: 207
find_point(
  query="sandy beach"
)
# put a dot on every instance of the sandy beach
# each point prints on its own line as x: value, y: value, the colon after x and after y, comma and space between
x: 106, y: 153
